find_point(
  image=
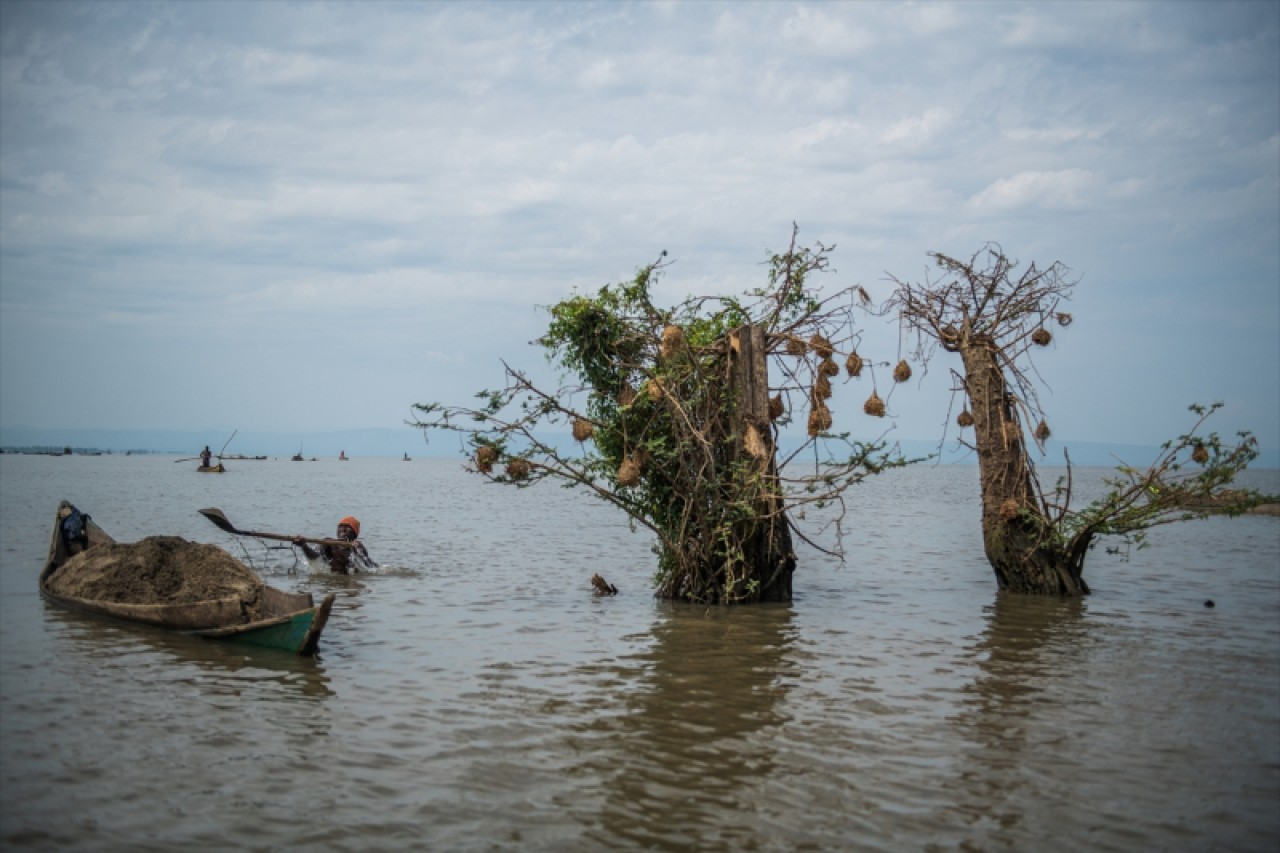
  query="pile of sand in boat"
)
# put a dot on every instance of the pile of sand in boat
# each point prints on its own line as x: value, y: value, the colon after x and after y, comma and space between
x: 155, y: 570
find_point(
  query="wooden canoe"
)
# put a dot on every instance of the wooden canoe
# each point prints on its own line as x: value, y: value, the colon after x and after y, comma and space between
x: 292, y: 622
x: 211, y: 469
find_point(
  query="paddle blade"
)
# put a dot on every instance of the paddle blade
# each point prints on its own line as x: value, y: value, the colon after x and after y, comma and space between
x: 219, y: 518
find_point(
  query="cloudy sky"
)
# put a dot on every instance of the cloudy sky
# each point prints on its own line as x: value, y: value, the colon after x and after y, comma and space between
x: 305, y: 216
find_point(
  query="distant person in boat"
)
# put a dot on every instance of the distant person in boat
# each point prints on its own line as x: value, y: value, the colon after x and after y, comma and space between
x: 205, y: 457
x: 341, y: 560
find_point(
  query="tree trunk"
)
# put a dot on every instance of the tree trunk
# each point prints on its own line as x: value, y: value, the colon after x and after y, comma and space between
x: 1015, y: 532
x: 768, y: 558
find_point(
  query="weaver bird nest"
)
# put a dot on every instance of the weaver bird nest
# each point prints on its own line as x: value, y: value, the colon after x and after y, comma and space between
x: 1009, y: 509
x: 1200, y: 455
x: 775, y: 407
x: 518, y: 469
x: 902, y: 372
x: 796, y: 347
x: 629, y: 471
x: 965, y: 418
x: 627, y: 397
x: 821, y: 388
x: 1042, y: 432
x: 821, y: 346
x: 819, y: 419
x: 485, y: 457
x: 828, y: 367
x: 853, y: 365
x: 874, y: 406
x: 1041, y: 337
x: 583, y: 429
x: 672, y: 342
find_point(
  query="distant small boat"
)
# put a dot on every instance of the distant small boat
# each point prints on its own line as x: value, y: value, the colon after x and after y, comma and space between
x: 291, y: 621
x: 297, y: 457
x: 406, y: 458
x: 211, y: 469
x: 342, y: 456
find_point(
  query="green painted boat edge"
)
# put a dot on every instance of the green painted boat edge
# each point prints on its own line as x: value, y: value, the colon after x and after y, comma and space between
x: 296, y: 632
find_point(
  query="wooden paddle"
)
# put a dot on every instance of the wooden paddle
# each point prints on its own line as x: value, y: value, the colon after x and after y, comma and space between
x: 219, y: 518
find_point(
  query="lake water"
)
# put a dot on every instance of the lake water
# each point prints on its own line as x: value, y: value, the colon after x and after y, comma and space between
x: 473, y: 695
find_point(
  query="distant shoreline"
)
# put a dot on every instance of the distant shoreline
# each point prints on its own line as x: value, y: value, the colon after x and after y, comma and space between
x: 409, y: 441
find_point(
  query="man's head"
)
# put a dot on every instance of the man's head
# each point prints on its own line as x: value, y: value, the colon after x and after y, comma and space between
x: 349, y: 528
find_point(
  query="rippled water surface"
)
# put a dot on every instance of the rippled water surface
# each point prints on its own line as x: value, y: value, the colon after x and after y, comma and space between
x: 474, y: 695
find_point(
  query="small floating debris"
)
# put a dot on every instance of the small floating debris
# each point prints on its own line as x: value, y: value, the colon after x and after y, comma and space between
x: 602, y: 586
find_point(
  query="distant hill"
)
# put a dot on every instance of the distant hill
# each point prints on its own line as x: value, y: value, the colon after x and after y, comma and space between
x: 397, y: 442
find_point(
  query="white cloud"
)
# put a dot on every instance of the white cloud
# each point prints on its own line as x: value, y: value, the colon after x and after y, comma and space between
x: 423, y: 163
x: 917, y: 130
x: 824, y: 30
x: 1066, y: 189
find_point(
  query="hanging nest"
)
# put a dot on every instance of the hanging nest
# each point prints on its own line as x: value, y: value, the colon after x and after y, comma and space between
x: 874, y: 406
x: 821, y: 346
x: 1064, y: 320
x: 1200, y: 455
x: 1009, y: 509
x: 485, y: 457
x: 828, y: 367
x: 627, y: 397
x: 1041, y: 337
x: 822, y: 388
x: 949, y: 335
x: 796, y: 347
x: 583, y: 429
x: 518, y: 468
x: 775, y: 407
x: 965, y: 419
x: 1042, y: 432
x: 629, y: 471
x: 902, y: 372
x: 672, y: 342
x: 853, y: 364
x: 653, y: 388
x: 819, y: 419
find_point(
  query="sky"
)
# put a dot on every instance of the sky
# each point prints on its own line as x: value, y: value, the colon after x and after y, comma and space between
x: 310, y: 216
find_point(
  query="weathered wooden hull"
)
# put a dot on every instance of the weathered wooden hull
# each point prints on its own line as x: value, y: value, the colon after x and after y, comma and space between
x: 292, y: 622
x: 211, y: 469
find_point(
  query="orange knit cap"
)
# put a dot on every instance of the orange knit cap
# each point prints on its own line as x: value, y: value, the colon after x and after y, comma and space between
x: 352, y: 522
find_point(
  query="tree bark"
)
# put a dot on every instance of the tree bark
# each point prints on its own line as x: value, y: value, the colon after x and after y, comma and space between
x: 1015, y: 533
x: 768, y: 556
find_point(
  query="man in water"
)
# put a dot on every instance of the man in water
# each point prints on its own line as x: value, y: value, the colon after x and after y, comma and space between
x: 342, y: 559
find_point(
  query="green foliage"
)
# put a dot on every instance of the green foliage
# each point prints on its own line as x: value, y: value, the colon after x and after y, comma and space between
x: 668, y: 443
x: 1190, y: 479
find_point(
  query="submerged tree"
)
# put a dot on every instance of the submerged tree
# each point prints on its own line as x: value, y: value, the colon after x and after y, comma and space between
x: 677, y: 421
x: 993, y: 317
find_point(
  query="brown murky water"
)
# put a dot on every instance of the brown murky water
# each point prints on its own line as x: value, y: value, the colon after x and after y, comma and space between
x: 474, y: 694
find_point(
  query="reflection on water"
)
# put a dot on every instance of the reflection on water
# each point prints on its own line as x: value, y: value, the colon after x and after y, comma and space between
x: 473, y: 695
x: 1026, y: 646
x: 693, y: 739
x: 120, y: 651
